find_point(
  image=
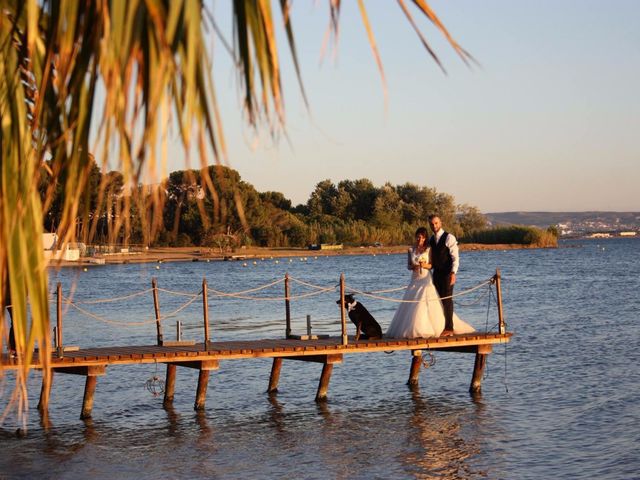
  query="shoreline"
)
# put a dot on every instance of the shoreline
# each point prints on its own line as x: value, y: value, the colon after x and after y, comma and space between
x: 197, y: 254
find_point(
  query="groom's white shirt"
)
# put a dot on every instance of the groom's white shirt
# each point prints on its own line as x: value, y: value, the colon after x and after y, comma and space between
x: 452, y: 244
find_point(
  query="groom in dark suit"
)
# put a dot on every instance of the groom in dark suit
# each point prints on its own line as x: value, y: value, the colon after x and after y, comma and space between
x: 445, y: 260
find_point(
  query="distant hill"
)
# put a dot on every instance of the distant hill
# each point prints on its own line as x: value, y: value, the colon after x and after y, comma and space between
x: 571, y: 222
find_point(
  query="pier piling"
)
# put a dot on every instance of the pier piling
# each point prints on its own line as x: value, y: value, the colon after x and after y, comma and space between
x: 416, y: 362
x: 201, y: 393
x: 275, y: 375
x: 323, y: 386
x: 169, y: 385
x: 478, y: 370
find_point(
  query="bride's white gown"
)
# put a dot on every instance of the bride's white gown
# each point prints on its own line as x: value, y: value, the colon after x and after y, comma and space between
x: 421, y: 314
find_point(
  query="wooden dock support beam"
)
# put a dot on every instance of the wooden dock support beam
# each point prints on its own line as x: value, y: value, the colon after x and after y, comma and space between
x: 323, y: 386
x: 327, y: 367
x: 343, y: 315
x: 169, y: 385
x: 92, y: 372
x: 45, y: 393
x: 205, y: 312
x: 59, y: 346
x: 416, y: 362
x: 478, y: 368
x: 287, y: 306
x: 156, y: 309
x: 204, y: 367
x: 501, y: 325
x: 275, y: 375
x: 87, y: 401
x: 201, y: 392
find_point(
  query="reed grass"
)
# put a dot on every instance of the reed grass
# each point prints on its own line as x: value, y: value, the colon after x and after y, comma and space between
x: 514, y: 234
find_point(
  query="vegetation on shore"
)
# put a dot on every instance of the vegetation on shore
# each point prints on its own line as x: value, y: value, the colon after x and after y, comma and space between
x: 514, y: 234
x: 232, y: 213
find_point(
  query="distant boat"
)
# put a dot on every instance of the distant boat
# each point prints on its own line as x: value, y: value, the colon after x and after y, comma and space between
x: 325, y: 246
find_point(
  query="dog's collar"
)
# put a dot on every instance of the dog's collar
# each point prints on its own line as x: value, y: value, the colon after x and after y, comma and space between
x: 351, y: 306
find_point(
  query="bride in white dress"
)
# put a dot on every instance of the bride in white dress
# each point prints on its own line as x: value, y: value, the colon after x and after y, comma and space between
x: 420, y: 315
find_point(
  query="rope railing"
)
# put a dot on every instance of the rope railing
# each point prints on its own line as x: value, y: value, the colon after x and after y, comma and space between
x: 480, y: 297
x: 267, y: 299
x: 173, y: 292
x: 242, y: 294
x: 108, y: 300
x: 310, y: 285
x: 399, y: 300
x: 109, y: 321
x: 76, y: 305
x: 251, y: 290
x: 206, y: 293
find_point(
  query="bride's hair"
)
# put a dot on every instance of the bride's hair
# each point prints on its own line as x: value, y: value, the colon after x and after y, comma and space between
x: 422, y: 231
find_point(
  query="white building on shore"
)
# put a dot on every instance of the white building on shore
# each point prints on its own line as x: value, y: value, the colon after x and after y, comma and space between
x: 51, y: 252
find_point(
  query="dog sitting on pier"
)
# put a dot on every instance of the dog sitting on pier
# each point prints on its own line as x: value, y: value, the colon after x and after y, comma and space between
x: 362, y: 319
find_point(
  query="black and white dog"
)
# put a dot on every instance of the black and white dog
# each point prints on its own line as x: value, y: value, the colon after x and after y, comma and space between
x: 362, y: 319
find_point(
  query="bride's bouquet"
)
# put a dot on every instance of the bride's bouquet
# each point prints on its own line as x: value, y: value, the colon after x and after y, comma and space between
x: 417, y: 260
x: 424, y: 257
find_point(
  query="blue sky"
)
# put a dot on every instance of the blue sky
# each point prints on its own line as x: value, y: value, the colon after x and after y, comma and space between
x: 548, y: 122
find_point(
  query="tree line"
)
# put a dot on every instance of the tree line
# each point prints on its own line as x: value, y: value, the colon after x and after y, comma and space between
x: 216, y: 208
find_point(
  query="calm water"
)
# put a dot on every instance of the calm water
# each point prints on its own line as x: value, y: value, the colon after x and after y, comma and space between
x: 560, y: 401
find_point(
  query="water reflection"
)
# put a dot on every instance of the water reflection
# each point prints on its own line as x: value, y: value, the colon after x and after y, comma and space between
x: 276, y: 413
x: 439, y: 445
x: 173, y: 419
x: 206, y: 432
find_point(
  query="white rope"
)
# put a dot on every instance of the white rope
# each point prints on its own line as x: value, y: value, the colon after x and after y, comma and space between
x: 310, y: 285
x: 173, y: 292
x: 251, y: 290
x: 472, y: 289
x: 179, y: 309
x: 477, y: 300
x: 106, y: 300
x: 111, y: 322
x: 389, y: 299
x: 267, y: 299
x: 396, y: 300
x: 131, y: 324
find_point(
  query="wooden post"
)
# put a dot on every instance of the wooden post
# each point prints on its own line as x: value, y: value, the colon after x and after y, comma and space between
x: 201, y: 393
x: 275, y: 375
x: 169, y: 385
x: 309, y: 326
x: 343, y: 317
x: 287, y: 306
x: 478, y: 370
x: 501, y: 326
x: 205, y: 311
x: 416, y: 362
x: 156, y: 307
x: 45, y: 393
x: 87, y: 401
x: 59, y: 346
x: 323, y: 386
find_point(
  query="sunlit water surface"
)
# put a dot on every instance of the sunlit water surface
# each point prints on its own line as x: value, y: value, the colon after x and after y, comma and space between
x: 560, y: 401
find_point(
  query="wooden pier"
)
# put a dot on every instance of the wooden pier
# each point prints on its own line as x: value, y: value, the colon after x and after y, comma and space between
x: 206, y: 356
x: 93, y: 362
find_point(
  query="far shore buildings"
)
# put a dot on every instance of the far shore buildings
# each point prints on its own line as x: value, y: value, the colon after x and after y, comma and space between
x: 610, y: 235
